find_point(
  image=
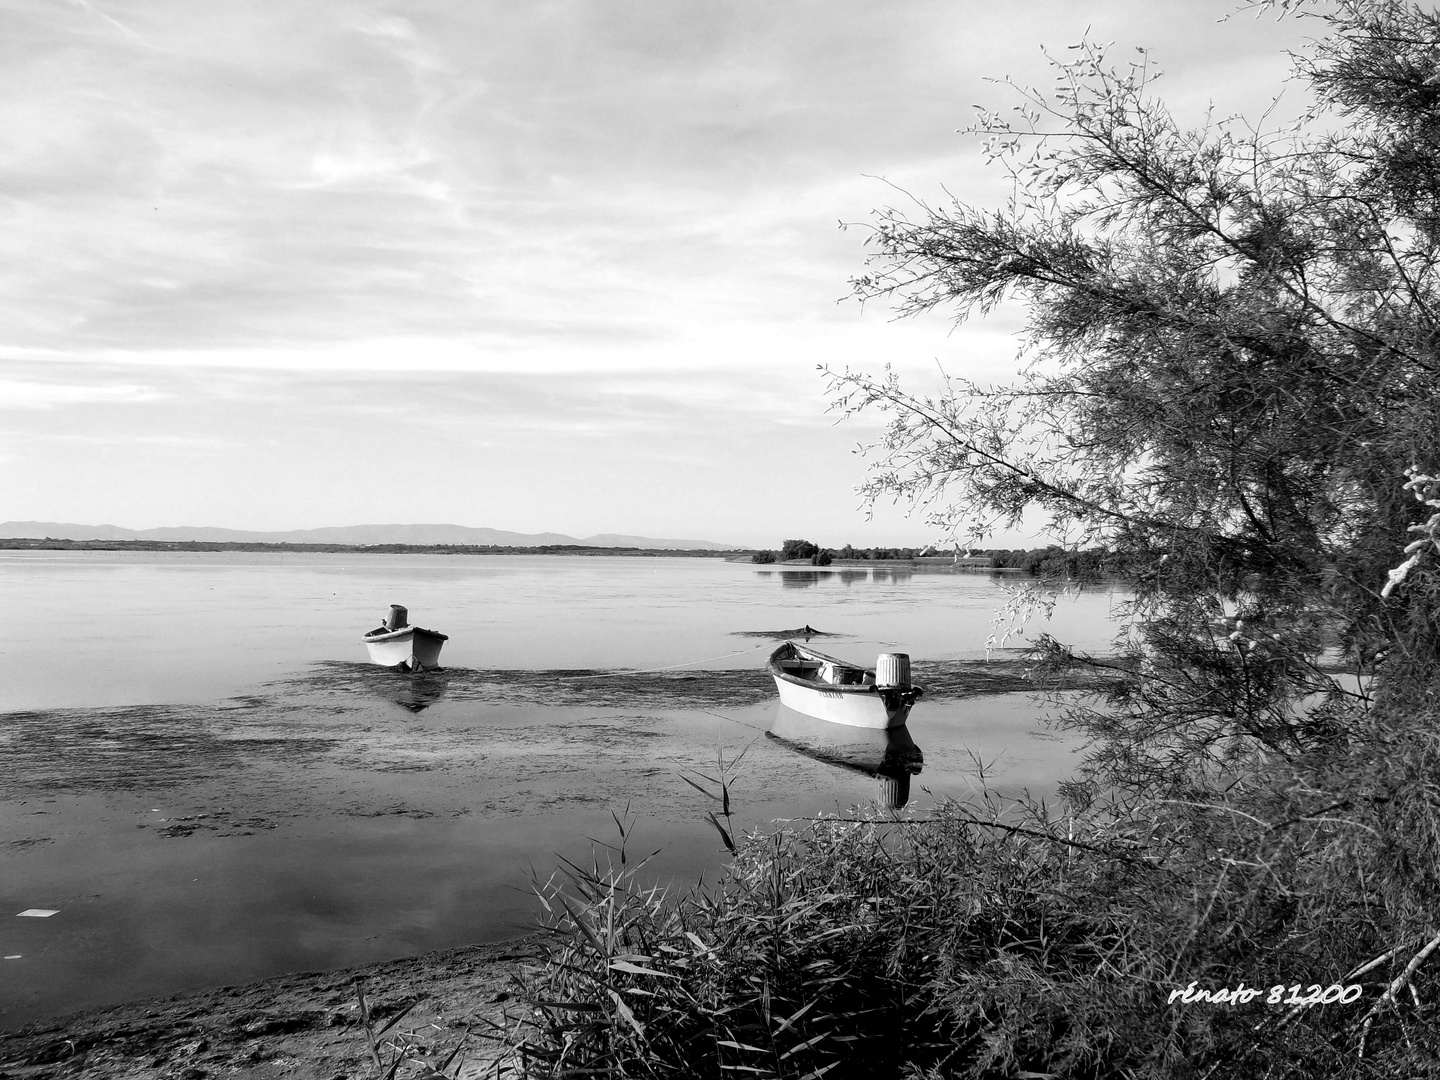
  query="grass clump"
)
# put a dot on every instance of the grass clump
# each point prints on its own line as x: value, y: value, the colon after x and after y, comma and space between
x: 866, y: 945
x: 991, y: 938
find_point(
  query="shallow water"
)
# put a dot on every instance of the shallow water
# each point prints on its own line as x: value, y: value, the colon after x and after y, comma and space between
x: 113, y: 628
x: 202, y: 776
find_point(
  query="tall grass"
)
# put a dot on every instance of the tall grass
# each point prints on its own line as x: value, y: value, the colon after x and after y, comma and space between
x: 997, y: 939
x: 853, y: 946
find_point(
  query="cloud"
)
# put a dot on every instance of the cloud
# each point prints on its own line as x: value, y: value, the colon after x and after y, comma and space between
x: 94, y: 10
x: 318, y: 175
x: 163, y: 442
x: 508, y: 228
x: 16, y: 394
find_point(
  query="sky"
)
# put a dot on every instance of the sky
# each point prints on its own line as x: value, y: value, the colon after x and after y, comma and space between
x: 561, y: 265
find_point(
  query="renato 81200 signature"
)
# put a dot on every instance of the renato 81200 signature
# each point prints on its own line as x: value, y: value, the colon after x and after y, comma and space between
x: 1243, y: 995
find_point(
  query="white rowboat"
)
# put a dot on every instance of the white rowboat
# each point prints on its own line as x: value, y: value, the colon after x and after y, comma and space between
x: 841, y: 692
x: 399, y: 645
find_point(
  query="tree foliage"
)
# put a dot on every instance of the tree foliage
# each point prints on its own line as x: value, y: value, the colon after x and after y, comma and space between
x: 1231, y: 375
x: 1231, y: 353
x: 798, y: 549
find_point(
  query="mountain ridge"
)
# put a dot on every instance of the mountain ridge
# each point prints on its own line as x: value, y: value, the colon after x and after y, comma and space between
x: 359, y: 535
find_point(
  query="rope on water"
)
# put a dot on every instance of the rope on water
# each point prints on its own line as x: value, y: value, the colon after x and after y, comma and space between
x: 670, y: 667
x: 742, y: 723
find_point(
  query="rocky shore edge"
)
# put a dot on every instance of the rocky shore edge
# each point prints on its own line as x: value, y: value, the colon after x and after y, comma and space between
x: 301, y: 1025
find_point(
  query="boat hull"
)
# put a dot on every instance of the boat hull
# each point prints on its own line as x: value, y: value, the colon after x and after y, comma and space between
x: 855, y: 702
x: 859, y: 710
x: 411, y: 648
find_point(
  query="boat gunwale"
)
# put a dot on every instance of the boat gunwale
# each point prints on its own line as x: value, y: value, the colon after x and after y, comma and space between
x: 400, y: 634
x: 819, y: 687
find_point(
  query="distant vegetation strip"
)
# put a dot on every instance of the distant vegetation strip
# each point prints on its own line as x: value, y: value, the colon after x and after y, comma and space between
x: 1051, y: 561
x: 52, y: 544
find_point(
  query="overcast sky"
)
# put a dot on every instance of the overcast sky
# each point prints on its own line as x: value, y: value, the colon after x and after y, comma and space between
x: 543, y: 266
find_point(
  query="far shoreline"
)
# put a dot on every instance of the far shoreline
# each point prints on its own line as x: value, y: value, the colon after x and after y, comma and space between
x: 946, y: 561
x: 735, y: 555
x: 54, y: 544
x: 731, y: 555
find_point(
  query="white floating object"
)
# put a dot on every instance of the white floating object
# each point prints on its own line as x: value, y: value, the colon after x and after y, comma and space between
x: 397, y: 644
x: 36, y: 913
x: 840, y: 692
x: 15, y: 957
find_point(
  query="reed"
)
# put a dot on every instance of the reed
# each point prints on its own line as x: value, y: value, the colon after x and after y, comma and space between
x: 998, y: 938
x: 841, y: 946
x: 410, y: 1048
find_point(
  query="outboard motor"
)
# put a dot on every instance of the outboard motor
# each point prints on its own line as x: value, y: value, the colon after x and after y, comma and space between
x: 892, y: 671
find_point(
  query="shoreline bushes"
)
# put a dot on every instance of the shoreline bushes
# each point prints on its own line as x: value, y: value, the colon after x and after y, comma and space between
x: 1000, y: 939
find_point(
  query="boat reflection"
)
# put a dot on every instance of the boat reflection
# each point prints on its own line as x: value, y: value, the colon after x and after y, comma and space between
x: 889, y: 754
x: 415, y: 693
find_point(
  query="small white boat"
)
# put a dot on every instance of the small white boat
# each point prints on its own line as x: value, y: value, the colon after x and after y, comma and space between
x: 397, y: 644
x: 841, y: 692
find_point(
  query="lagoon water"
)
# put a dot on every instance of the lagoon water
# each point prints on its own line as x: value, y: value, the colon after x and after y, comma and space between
x: 204, y: 779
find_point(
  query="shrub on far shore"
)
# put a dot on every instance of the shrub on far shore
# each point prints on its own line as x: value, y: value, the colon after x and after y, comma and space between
x: 798, y: 549
x: 763, y: 557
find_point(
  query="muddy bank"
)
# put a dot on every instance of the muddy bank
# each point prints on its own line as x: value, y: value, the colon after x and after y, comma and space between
x: 301, y: 1025
x: 327, y: 717
x: 693, y: 689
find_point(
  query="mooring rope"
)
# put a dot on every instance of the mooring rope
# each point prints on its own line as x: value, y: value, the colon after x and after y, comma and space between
x: 742, y: 723
x: 669, y: 667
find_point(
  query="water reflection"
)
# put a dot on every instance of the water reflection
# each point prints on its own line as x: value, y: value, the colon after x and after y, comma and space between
x: 415, y: 693
x: 890, y: 756
x: 849, y: 577
x: 799, y: 579
x: 893, y: 575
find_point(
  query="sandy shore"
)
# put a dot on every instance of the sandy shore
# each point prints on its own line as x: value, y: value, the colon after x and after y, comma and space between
x: 304, y: 1025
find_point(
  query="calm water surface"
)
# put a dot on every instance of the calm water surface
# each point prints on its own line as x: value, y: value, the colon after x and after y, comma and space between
x: 207, y: 782
x: 106, y: 628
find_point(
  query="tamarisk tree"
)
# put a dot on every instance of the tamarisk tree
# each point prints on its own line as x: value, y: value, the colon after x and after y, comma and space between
x: 1232, y: 365
x: 1231, y: 379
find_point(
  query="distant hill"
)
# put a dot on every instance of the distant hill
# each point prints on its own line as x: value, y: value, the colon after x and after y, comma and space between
x: 349, y: 534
